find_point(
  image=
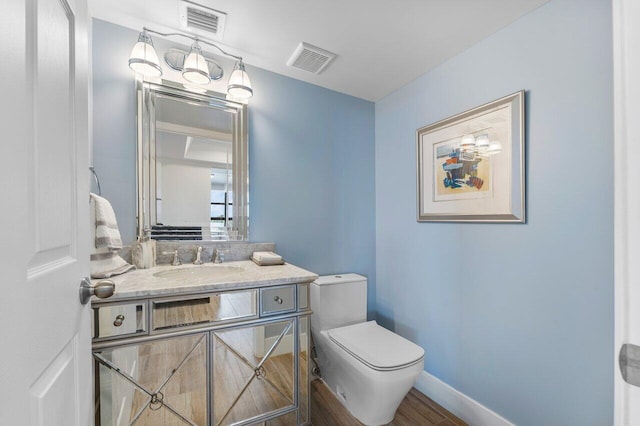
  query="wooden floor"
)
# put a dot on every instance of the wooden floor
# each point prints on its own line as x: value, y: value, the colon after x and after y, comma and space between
x: 415, y: 410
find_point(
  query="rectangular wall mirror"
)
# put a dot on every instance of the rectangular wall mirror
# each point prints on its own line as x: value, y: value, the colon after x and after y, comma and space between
x: 192, y: 164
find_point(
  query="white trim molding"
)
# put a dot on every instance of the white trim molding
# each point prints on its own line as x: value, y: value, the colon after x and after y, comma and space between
x: 626, y: 102
x: 468, y: 409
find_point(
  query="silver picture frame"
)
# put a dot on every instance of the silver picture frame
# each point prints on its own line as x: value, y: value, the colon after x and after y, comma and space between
x: 471, y: 166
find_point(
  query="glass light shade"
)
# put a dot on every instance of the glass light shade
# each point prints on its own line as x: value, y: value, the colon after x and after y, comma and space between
x: 467, y: 142
x: 495, y: 147
x: 482, y: 142
x: 144, y: 59
x: 239, y: 85
x: 195, y: 69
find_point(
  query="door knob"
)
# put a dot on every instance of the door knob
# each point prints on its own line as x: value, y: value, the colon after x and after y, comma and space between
x: 629, y: 361
x: 101, y: 290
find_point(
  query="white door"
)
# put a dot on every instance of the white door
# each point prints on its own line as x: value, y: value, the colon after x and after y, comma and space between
x: 626, y: 33
x: 45, y: 358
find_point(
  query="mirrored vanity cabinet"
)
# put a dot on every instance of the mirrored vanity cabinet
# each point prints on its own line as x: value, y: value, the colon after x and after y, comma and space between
x: 229, y: 345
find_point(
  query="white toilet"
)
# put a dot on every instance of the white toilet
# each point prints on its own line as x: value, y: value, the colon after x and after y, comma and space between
x: 369, y: 368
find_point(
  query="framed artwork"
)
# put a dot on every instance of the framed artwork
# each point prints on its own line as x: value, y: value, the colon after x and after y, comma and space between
x: 471, y: 166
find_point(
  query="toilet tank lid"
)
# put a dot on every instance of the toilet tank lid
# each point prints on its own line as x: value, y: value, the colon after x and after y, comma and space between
x: 376, y: 346
x: 339, y: 279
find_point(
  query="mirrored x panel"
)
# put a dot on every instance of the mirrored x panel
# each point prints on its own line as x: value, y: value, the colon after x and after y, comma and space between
x: 254, y: 372
x: 160, y: 383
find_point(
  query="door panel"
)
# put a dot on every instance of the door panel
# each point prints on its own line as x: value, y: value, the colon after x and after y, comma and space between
x: 52, y: 176
x: 49, y: 402
x: 45, y: 369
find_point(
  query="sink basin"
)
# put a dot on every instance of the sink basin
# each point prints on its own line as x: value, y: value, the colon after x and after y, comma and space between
x: 200, y: 272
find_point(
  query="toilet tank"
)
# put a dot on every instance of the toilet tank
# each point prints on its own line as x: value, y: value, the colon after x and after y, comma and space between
x: 338, y: 300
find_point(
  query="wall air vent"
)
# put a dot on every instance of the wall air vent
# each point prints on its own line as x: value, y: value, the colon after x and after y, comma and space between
x: 202, y: 20
x: 310, y: 58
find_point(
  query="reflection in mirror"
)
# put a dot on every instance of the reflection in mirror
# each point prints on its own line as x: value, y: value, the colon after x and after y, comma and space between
x: 192, y: 165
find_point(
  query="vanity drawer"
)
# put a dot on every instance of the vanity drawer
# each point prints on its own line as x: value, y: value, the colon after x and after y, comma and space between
x: 112, y: 320
x: 277, y: 300
x: 202, y: 309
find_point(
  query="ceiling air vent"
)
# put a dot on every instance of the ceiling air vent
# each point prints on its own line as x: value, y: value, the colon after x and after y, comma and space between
x: 202, y: 20
x: 310, y: 58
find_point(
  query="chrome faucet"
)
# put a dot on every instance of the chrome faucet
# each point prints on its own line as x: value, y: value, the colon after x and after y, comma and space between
x: 219, y: 256
x: 176, y: 259
x: 198, y: 260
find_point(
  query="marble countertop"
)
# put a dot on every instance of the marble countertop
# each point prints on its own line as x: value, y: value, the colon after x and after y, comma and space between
x: 167, y: 280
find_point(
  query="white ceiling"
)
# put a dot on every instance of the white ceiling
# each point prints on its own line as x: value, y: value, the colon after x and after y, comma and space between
x: 381, y: 45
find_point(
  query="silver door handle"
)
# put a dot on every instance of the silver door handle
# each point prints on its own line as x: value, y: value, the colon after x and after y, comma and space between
x: 101, y: 290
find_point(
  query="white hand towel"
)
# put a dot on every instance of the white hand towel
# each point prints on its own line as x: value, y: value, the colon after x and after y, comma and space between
x: 265, y: 258
x: 106, y: 240
x: 107, y: 232
x: 105, y: 265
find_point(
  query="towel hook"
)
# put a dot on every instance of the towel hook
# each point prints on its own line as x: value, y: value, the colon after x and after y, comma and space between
x: 95, y: 176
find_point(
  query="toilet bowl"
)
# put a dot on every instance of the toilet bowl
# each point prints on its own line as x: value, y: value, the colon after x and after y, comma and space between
x: 369, y: 368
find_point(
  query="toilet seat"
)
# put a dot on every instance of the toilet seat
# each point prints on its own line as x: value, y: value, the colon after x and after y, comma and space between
x: 376, y: 347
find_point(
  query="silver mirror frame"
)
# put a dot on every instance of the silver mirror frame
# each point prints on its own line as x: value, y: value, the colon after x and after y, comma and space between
x: 145, y: 152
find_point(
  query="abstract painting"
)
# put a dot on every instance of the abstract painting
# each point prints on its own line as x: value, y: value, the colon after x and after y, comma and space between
x: 470, y: 167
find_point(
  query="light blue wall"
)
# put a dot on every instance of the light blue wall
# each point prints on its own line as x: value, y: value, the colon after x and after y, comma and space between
x: 311, y: 160
x: 114, y: 122
x: 312, y: 175
x: 518, y: 317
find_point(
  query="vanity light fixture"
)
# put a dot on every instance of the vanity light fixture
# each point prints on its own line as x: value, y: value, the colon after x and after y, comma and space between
x: 479, y: 146
x: 195, y: 68
x: 468, y: 142
x: 482, y: 142
x: 144, y: 59
x: 495, y: 147
x: 239, y: 84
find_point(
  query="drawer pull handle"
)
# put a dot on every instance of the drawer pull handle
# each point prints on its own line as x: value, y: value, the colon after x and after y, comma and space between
x: 278, y: 300
x: 119, y: 320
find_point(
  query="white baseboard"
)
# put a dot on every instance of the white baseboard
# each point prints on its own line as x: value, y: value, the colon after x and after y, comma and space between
x: 469, y: 410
